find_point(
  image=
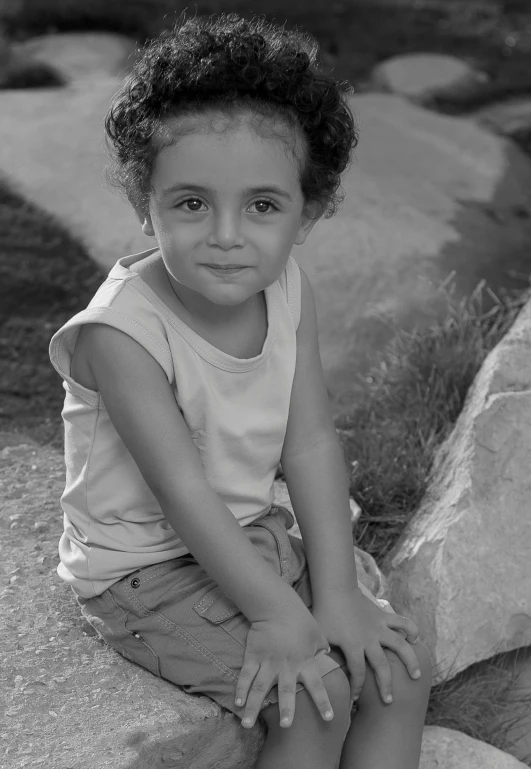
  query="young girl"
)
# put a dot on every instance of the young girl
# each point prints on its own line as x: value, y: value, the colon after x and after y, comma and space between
x: 193, y: 372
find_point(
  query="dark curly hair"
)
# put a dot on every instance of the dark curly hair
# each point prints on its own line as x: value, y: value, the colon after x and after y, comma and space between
x: 233, y: 65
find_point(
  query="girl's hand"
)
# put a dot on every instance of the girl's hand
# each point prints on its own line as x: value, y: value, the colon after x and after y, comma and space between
x: 361, y: 628
x: 282, y: 650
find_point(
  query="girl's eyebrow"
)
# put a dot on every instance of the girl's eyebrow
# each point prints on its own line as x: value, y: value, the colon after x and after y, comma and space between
x: 266, y: 189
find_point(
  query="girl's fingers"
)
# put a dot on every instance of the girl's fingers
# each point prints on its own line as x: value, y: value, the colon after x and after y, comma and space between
x: 245, y: 680
x: 286, y: 698
x: 382, y: 670
x: 402, y: 648
x: 357, y: 670
x: 397, y: 622
x: 314, y: 685
x: 261, y: 685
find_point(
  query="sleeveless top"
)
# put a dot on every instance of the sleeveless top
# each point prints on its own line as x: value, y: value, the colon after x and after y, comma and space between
x: 236, y: 410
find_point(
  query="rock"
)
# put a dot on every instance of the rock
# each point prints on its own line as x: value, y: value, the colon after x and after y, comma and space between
x: 52, y: 151
x: 70, y: 700
x: 81, y: 55
x: 424, y: 76
x: 461, y: 567
x: 509, y: 118
x: 449, y: 749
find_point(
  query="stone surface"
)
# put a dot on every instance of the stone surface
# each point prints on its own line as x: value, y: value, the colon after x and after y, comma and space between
x: 427, y: 195
x: 70, y: 701
x: 509, y: 118
x: 52, y: 142
x: 80, y: 55
x: 449, y: 749
x: 422, y: 76
x: 461, y: 568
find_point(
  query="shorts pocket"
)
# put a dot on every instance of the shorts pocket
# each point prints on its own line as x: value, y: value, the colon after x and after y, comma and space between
x: 216, y: 607
x: 111, y: 623
x: 277, y: 523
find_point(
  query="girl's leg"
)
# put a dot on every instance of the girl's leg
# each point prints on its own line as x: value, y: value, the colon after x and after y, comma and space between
x: 389, y: 736
x: 310, y: 742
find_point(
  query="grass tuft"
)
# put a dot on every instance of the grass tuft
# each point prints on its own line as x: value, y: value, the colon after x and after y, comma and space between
x: 408, y: 406
x: 484, y: 701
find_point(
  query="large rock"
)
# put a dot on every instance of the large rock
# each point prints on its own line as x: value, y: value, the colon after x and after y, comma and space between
x: 449, y: 749
x: 423, y: 76
x: 427, y: 195
x: 461, y: 569
x: 71, y: 702
x: 52, y: 145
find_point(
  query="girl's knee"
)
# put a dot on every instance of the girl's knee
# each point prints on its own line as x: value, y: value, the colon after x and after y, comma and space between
x: 338, y: 689
x: 407, y: 691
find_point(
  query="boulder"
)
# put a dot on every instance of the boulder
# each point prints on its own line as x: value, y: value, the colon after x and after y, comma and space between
x: 72, y: 702
x: 511, y: 117
x: 81, y: 55
x: 424, y: 76
x: 461, y: 567
x: 448, y: 749
x: 52, y: 147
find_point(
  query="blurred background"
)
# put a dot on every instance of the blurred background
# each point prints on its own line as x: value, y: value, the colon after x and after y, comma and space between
x: 416, y: 278
x: 437, y: 198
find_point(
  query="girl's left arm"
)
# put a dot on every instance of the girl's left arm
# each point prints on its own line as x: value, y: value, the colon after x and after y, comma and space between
x: 314, y: 467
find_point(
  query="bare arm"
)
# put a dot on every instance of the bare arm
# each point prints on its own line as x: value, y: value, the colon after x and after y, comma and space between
x: 314, y: 466
x: 142, y: 408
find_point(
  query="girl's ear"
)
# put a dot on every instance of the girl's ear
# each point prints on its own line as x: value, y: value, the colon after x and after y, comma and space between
x: 144, y: 217
x: 311, y: 214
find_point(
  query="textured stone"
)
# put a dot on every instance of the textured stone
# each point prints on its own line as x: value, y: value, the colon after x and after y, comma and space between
x: 71, y: 702
x: 461, y: 569
x: 449, y: 749
x: 511, y: 117
x: 52, y: 145
x: 421, y: 76
x: 80, y: 55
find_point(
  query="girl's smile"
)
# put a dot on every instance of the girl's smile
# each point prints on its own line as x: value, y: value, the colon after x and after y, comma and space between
x: 226, y: 208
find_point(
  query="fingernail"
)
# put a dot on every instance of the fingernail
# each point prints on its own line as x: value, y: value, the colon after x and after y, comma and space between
x: 354, y: 699
x: 416, y: 674
x: 239, y: 701
x: 247, y: 721
x: 388, y: 698
x: 286, y: 721
x: 328, y: 715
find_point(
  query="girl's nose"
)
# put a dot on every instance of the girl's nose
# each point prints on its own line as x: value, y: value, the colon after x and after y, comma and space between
x: 226, y: 231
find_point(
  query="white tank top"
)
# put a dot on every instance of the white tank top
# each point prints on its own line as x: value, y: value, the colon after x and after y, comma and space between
x: 236, y: 410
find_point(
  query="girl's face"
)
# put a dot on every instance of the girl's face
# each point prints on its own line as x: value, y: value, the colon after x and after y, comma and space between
x: 226, y: 209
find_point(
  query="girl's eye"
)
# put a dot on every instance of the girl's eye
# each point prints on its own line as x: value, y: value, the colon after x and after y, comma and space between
x: 264, y: 206
x: 192, y: 204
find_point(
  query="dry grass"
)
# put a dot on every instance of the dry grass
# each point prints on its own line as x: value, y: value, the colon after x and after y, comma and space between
x: 408, y: 406
x: 485, y: 702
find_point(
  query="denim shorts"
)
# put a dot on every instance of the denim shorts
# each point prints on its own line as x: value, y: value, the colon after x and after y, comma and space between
x: 172, y: 619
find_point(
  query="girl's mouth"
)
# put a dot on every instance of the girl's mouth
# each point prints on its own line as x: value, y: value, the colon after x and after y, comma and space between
x: 225, y: 269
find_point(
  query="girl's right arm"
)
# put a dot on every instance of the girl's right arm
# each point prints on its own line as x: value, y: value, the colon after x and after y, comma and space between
x: 284, y: 636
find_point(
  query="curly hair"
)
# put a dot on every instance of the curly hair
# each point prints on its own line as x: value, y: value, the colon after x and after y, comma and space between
x: 229, y: 64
